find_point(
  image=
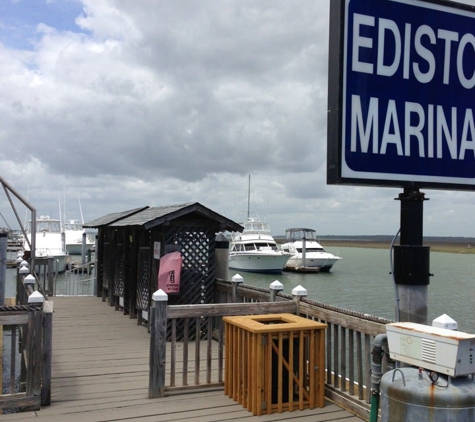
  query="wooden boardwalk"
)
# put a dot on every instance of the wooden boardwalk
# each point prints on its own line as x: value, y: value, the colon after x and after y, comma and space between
x: 100, y: 373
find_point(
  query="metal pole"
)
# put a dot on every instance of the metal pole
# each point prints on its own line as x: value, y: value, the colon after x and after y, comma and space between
x: 3, y: 265
x: 411, y: 259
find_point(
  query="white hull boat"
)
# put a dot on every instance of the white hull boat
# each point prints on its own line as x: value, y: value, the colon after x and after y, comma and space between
x: 307, y: 254
x: 49, y: 241
x: 255, y: 250
x: 74, y: 233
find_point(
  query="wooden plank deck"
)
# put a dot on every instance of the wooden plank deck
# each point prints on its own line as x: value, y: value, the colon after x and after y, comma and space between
x: 100, y: 373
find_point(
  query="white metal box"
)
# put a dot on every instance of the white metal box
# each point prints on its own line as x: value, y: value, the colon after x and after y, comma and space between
x: 437, y: 349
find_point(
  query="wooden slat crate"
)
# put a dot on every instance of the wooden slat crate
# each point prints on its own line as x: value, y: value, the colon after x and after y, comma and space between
x: 275, y: 362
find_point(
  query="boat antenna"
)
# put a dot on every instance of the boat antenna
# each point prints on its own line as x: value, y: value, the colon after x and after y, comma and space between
x: 249, y: 198
x: 64, y: 204
x: 80, y: 210
x: 60, y: 219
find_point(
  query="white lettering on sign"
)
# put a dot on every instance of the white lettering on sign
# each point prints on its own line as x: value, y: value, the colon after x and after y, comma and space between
x: 400, y: 136
x: 424, y: 39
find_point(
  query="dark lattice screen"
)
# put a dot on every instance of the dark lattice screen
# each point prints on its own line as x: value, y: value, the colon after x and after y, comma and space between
x: 197, y: 247
x: 143, y: 279
x: 107, y: 265
x: 119, y: 274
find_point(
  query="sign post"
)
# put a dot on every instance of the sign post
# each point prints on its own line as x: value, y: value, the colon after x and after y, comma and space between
x: 401, y: 112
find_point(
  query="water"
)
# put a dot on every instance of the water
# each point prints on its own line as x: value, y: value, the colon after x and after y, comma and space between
x: 362, y: 282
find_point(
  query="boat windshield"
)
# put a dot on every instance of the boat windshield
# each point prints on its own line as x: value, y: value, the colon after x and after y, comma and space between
x: 256, y: 227
x: 311, y: 250
x: 265, y: 245
x: 254, y: 247
x: 48, y: 226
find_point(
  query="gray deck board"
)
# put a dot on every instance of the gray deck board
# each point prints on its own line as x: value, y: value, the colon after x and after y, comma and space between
x: 100, y: 374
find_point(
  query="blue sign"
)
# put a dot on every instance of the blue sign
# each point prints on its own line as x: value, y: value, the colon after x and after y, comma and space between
x: 407, y: 93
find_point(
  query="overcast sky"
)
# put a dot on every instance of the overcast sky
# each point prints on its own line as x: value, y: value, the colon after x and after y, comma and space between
x: 124, y: 104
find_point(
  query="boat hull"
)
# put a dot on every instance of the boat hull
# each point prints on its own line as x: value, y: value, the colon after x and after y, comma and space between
x: 76, y: 248
x: 258, y: 263
x: 311, y: 264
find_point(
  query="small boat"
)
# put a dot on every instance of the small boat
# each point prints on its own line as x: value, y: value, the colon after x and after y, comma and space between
x: 49, y: 241
x: 255, y: 250
x: 74, y: 233
x: 307, y: 254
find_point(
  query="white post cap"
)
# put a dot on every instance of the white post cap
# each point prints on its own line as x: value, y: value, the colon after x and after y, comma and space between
x: 299, y: 291
x: 276, y: 285
x: 444, y: 321
x: 23, y: 263
x: 160, y: 296
x: 237, y: 279
x: 24, y: 270
x: 36, y: 297
x: 29, y: 279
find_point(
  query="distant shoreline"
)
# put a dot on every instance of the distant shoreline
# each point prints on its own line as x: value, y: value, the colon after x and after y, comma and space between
x: 456, y: 246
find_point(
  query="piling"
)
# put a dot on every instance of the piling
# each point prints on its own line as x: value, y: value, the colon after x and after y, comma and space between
x: 222, y: 257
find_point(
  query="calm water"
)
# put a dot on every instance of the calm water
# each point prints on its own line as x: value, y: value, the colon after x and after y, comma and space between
x: 361, y: 281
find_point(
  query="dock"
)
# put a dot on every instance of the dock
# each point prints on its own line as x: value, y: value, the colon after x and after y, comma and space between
x: 100, y: 372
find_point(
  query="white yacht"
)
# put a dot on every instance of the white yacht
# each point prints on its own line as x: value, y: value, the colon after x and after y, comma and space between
x: 49, y: 241
x: 307, y: 254
x: 255, y: 250
x: 74, y: 231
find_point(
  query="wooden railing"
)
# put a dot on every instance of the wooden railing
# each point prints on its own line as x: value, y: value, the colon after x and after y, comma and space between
x: 348, y: 342
x: 26, y: 328
x: 202, y: 339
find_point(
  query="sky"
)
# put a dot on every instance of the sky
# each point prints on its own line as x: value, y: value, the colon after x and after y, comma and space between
x: 110, y: 105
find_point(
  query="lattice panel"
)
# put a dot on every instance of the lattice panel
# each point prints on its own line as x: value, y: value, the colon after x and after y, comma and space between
x: 119, y: 273
x: 143, y: 279
x: 197, y: 246
x: 107, y: 265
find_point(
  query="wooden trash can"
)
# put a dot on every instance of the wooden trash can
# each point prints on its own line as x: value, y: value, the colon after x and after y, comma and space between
x: 275, y: 362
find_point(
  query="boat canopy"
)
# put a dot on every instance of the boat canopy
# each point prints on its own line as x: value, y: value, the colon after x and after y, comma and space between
x: 300, y: 233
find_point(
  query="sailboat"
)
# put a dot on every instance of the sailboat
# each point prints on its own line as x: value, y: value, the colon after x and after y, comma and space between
x: 255, y: 250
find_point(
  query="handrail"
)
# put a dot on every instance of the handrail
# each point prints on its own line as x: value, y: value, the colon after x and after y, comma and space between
x: 348, y: 341
x: 30, y: 320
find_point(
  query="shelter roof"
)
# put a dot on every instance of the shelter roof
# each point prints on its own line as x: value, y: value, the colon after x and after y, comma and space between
x: 111, y: 218
x: 150, y: 217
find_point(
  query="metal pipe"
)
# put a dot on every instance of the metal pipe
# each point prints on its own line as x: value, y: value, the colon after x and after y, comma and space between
x: 380, y: 343
x: 7, y: 187
x: 3, y: 265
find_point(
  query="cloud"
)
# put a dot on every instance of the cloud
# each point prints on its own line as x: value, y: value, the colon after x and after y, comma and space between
x: 138, y: 103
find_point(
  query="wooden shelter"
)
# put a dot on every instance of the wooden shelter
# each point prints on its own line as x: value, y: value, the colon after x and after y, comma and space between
x: 130, y: 244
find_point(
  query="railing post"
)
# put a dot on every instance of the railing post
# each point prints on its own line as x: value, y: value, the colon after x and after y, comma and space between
x: 158, y: 340
x: 47, y: 352
x: 35, y: 348
x: 23, y: 271
x: 29, y: 288
x: 297, y: 294
x: 237, y: 280
x: 275, y: 287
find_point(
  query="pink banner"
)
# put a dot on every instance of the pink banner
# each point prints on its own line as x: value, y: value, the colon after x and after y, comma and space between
x: 169, y: 272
